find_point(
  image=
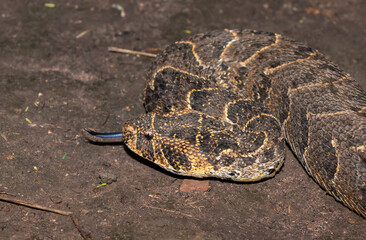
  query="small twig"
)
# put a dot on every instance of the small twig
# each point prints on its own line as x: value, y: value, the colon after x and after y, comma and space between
x: 2, y: 192
x: 84, y: 234
x: 80, y: 35
x: 122, y: 50
x: 170, y: 211
x: 4, y: 136
x: 106, y: 119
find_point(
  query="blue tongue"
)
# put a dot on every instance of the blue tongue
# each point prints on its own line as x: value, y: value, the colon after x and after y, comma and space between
x: 103, y: 135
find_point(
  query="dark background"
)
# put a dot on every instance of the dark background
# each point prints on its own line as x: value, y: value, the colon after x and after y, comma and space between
x: 51, y: 75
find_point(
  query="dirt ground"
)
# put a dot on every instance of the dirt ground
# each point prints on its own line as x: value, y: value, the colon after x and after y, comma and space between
x: 55, y: 69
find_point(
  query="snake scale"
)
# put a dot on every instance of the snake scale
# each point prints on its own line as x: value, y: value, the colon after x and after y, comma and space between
x: 222, y: 104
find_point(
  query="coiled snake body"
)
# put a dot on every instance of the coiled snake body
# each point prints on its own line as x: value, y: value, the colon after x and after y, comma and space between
x: 222, y: 105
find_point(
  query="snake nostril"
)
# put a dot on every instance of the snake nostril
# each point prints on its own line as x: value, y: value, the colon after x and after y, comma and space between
x: 149, y: 135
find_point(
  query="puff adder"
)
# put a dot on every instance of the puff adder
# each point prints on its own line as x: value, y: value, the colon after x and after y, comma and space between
x: 222, y: 104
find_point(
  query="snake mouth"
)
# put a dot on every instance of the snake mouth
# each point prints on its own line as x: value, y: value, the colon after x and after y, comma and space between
x: 129, y: 135
x: 136, y: 135
x: 133, y: 132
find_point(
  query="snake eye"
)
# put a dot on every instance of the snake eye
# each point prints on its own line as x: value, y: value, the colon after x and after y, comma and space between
x: 149, y: 135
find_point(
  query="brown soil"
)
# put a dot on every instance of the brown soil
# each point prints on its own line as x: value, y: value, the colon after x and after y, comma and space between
x: 55, y: 68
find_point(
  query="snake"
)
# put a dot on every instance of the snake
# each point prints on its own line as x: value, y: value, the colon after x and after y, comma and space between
x: 223, y: 104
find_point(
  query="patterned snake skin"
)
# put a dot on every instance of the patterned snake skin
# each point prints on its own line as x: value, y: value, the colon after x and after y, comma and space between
x: 222, y: 105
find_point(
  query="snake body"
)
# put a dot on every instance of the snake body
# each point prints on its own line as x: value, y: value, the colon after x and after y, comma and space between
x: 222, y: 104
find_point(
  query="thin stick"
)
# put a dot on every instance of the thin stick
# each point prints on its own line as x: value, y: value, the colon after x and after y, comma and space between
x: 170, y: 211
x: 84, y: 234
x: 2, y: 192
x: 82, y: 34
x: 122, y: 50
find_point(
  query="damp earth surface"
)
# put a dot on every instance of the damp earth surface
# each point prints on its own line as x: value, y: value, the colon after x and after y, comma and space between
x: 56, y: 72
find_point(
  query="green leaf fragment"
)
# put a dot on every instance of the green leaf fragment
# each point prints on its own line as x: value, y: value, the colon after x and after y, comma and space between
x: 50, y: 5
x: 26, y: 109
x: 117, y: 6
x: 188, y: 31
x: 29, y: 121
x: 64, y: 156
x: 102, y: 185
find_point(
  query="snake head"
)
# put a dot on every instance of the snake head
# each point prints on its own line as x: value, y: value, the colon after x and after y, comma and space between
x: 138, y: 136
x: 168, y: 140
